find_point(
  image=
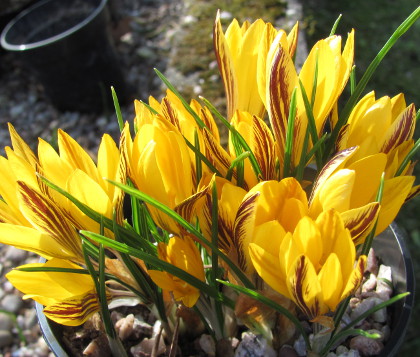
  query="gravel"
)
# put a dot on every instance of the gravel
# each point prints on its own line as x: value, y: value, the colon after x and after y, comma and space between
x: 23, y: 103
x: 144, y: 32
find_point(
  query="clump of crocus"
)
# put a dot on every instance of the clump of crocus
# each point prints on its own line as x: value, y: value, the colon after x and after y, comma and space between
x: 279, y: 220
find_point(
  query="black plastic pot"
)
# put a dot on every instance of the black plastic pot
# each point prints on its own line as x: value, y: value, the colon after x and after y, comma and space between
x: 68, y: 46
x: 389, y: 247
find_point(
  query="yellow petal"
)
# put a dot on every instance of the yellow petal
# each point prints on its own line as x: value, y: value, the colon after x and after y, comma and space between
x: 48, y: 218
x: 308, y: 241
x: 21, y: 148
x: 89, y: 192
x: 267, y: 266
x: 360, y: 221
x: 73, y: 311
x: 368, y: 172
x: 48, y: 284
x: 74, y: 154
x: 336, y: 191
x: 35, y: 241
x: 355, y: 278
x: 331, y: 281
x: 395, y: 192
x: 226, y: 67
x: 305, y: 289
x: 283, y: 80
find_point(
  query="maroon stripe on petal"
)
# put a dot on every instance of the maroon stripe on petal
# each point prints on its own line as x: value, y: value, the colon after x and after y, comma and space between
x: 298, y: 289
x: 244, y: 215
x: 403, y: 129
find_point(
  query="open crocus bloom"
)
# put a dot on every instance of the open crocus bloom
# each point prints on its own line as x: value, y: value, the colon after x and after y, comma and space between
x: 313, y: 265
x: 184, y: 254
x: 352, y: 189
x: 380, y: 125
x: 74, y: 170
x: 69, y: 299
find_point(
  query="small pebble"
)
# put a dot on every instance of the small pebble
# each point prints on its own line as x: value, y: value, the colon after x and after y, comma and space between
x: 366, y: 346
x: 208, y: 345
x: 254, y: 346
x: 287, y: 351
x: 12, y: 303
x: 6, y: 338
x: 6, y: 321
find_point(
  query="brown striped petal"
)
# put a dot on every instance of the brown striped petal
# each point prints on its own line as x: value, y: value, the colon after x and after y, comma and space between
x: 415, y: 191
x: 264, y: 149
x: 283, y: 79
x: 73, y: 311
x: 402, y: 129
x: 243, y: 229
x: 336, y: 161
x: 292, y: 39
x: 47, y: 217
x: 216, y: 154
x: 304, y: 287
x: 360, y: 221
x: 226, y: 68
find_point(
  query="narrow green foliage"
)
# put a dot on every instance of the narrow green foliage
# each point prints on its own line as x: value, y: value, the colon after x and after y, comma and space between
x: 238, y: 164
x: 401, y: 30
x: 106, y: 316
x: 352, y: 80
x: 343, y: 335
x: 152, y: 110
x: 409, y: 156
x: 302, y: 161
x: 315, y: 80
x: 216, y: 113
x: 143, y: 280
x: 202, y: 157
x: 127, y: 234
x: 117, y: 109
x: 160, y: 264
x: 334, y: 28
x: 198, y: 120
x: 348, y: 331
x: 189, y: 227
x: 312, y: 128
x: 289, y: 136
x: 235, y: 163
x: 254, y: 163
x: 338, y: 315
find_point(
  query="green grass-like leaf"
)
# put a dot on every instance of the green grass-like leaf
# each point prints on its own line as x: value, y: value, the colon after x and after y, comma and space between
x: 181, y: 221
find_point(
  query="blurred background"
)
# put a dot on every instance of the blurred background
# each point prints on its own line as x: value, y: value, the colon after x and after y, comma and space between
x: 175, y: 37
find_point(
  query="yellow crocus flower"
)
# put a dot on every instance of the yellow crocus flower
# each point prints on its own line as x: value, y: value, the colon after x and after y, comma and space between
x: 173, y: 110
x: 313, y: 265
x: 333, y: 71
x: 159, y: 164
x: 74, y: 170
x: 184, y: 254
x: 241, y: 54
x: 284, y: 202
x: 380, y: 125
x: 351, y: 190
x: 69, y: 299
